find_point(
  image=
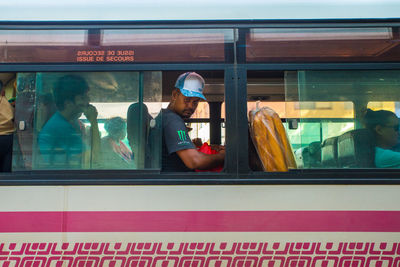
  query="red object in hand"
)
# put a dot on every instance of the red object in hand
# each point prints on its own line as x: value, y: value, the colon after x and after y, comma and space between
x: 206, y: 149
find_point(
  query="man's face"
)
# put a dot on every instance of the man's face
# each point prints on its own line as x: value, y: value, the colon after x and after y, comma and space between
x: 81, y: 103
x: 388, y: 133
x: 184, y: 106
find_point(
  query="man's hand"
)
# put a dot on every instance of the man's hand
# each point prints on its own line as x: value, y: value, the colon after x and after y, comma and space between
x: 91, y: 113
x: 197, y: 142
x: 218, y: 148
x: 222, y: 151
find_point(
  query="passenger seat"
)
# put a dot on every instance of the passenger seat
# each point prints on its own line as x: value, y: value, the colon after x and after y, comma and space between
x: 329, y: 153
x: 356, y: 149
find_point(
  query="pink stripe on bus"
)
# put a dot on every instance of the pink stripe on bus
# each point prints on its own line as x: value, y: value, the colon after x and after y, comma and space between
x: 200, y: 221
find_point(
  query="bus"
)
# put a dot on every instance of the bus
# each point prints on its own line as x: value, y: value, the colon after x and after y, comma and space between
x: 319, y: 66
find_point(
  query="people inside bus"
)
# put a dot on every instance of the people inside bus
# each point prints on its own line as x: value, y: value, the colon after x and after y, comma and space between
x: 141, y: 136
x: 45, y: 109
x: 7, y: 102
x: 385, y: 126
x: 64, y: 142
x: 115, y: 154
x: 178, y: 151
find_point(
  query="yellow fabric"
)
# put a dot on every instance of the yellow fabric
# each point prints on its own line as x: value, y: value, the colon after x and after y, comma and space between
x: 7, y: 110
x: 6, y: 117
x: 270, y: 140
x: 9, y: 89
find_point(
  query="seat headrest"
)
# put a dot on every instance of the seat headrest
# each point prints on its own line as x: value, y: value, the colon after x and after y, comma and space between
x: 329, y: 152
x: 356, y: 149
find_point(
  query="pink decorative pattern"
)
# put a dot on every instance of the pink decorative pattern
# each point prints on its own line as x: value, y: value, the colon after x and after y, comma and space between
x: 200, y: 254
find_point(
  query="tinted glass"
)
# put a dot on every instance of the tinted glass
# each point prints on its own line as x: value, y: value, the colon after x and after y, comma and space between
x: 98, y: 46
x: 352, y: 138
x: 326, y: 117
x: 87, y: 120
x: 369, y: 44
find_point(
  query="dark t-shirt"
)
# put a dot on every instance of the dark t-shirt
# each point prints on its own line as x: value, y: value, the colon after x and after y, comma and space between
x: 175, y: 138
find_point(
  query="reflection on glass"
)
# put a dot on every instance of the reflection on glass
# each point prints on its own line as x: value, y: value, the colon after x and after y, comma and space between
x: 63, y: 141
x: 344, y: 139
x: 34, y: 46
x: 42, y: 37
x: 98, y: 46
x: 294, y: 34
x: 172, y: 45
x: 81, y: 120
x: 165, y: 37
x: 321, y: 45
x: 307, y: 109
x: 115, y: 153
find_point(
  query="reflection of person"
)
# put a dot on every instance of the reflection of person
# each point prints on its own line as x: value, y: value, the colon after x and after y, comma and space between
x: 139, y: 136
x: 115, y: 153
x: 178, y: 151
x: 45, y: 108
x: 61, y: 140
x: 385, y: 125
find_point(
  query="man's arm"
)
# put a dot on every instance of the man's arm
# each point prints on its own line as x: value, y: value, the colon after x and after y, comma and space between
x: 194, y: 159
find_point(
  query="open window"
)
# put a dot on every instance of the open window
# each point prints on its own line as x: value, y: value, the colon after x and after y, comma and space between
x: 207, y: 124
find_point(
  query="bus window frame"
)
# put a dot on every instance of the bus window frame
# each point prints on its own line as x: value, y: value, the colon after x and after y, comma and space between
x: 92, y: 177
x: 320, y: 176
x: 235, y: 70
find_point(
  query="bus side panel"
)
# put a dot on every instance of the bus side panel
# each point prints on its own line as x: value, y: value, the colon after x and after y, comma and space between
x: 200, y: 226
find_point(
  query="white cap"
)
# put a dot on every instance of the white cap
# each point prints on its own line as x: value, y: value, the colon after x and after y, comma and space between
x: 191, y: 84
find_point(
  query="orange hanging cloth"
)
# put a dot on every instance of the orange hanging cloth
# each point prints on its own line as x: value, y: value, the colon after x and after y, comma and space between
x: 270, y: 140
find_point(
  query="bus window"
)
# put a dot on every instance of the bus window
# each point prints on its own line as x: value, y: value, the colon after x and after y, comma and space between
x: 202, y: 126
x: 7, y: 114
x: 199, y: 124
x: 172, y: 45
x: 81, y: 120
x: 386, y: 105
x: 110, y: 120
x: 99, y: 46
x: 323, y: 114
x: 322, y: 44
x: 356, y: 142
x: 270, y: 147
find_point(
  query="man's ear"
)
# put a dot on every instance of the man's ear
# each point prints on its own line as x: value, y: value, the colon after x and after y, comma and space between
x: 67, y: 104
x: 378, y: 129
x: 175, y: 94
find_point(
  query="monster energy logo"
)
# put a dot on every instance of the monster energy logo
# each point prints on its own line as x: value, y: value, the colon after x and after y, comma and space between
x: 182, y: 135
